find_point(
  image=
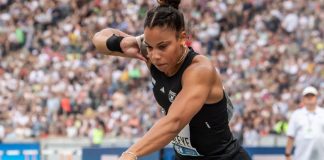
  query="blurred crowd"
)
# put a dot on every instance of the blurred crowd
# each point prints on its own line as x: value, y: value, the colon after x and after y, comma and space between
x: 53, y: 82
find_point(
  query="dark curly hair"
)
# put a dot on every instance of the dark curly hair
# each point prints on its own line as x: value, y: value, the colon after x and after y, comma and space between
x: 166, y: 15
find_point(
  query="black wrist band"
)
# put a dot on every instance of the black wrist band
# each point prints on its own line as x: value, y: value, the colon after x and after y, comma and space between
x: 113, y: 43
x: 287, y: 154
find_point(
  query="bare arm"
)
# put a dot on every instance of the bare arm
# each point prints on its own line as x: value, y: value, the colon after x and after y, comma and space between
x: 187, y: 104
x: 289, y: 146
x: 128, y: 45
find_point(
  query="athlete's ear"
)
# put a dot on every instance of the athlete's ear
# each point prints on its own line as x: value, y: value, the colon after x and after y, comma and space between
x: 183, y: 37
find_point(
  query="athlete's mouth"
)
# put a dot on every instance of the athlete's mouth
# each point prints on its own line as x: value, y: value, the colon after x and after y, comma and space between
x: 160, y: 65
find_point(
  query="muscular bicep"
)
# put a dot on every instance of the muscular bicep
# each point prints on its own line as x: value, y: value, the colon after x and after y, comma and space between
x: 130, y: 45
x: 196, y: 86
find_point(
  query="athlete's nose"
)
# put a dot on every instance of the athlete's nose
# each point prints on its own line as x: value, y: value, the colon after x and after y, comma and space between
x: 155, y: 55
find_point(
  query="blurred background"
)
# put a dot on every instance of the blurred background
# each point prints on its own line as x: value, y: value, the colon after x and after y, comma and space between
x: 58, y: 96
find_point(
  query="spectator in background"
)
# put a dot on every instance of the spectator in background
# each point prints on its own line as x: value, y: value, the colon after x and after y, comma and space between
x: 306, y: 129
x: 281, y: 126
x: 97, y: 133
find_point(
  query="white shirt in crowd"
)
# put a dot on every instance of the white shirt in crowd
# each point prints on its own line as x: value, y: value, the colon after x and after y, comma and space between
x: 290, y: 22
x: 307, y: 128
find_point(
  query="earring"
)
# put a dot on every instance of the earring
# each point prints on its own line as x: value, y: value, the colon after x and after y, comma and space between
x: 184, y: 54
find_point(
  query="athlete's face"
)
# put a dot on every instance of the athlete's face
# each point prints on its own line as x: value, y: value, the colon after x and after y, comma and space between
x: 164, y: 47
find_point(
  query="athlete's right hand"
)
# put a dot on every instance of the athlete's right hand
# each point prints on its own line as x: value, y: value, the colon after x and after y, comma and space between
x: 130, y: 47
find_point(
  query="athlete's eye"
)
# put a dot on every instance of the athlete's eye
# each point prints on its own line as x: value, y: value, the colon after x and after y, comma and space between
x: 162, y: 47
x: 149, y: 47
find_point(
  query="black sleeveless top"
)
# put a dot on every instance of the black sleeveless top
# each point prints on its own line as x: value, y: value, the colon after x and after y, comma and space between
x: 207, y: 136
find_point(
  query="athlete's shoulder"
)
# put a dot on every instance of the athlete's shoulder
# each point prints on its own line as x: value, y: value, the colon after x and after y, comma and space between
x: 200, y: 68
x: 202, y: 63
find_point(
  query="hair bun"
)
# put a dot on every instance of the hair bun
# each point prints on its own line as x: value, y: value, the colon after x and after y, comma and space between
x: 173, y: 3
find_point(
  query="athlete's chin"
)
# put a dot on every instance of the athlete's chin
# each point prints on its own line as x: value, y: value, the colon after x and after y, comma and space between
x: 162, y: 67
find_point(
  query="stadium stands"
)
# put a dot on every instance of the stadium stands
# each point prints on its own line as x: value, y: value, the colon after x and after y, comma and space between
x: 54, y: 84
